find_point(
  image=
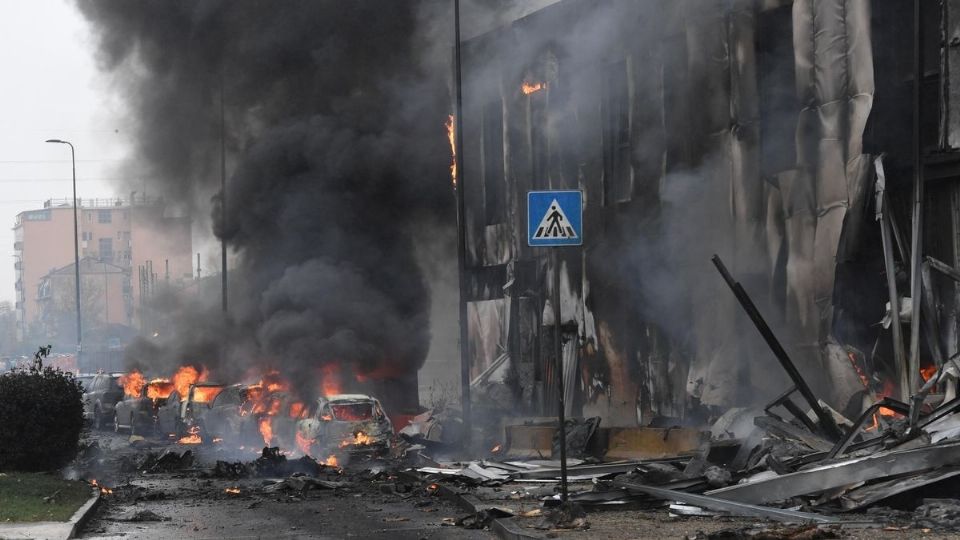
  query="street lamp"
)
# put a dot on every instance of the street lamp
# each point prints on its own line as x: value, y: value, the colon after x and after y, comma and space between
x: 76, y: 244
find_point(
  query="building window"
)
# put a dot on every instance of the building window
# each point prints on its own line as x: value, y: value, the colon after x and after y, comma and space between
x: 37, y: 215
x: 104, y: 216
x: 617, y: 170
x: 86, y: 236
x: 494, y: 187
x: 106, y: 249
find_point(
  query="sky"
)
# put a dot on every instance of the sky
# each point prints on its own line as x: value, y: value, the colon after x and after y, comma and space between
x: 51, y: 90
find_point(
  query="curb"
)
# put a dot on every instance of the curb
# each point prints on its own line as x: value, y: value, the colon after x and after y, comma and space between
x: 504, y: 528
x: 83, y: 514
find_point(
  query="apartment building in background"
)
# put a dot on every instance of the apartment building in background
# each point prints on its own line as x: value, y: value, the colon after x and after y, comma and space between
x: 127, y: 244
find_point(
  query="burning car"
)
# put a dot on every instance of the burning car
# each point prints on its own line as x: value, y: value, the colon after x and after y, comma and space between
x: 251, y: 414
x: 353, y: 422
x: 138, y: 411
x: 180, y: 413
x: 228, y: 418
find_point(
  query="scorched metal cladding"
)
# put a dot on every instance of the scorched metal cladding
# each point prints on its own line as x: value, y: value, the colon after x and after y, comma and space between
x: 331, y: 172
x: 692, y: 128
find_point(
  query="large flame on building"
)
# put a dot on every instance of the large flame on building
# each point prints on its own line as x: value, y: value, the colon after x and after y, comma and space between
x: 452, y: 138
x: 133, y: 383
x: 528, y: 88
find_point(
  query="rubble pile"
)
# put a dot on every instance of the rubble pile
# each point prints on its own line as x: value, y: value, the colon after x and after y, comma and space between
x: 795, y: 460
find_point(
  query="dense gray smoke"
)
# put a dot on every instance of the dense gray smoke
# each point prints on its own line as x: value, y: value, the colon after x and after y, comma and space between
x: 336, y: 155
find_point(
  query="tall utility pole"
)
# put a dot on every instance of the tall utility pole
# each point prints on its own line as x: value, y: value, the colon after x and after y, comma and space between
x: 223, y: 205
x: 76, y: 246
x: 916, y: 248
x: 461, y: 240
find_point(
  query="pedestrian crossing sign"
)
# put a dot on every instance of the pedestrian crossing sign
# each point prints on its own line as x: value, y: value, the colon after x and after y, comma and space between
x: 555, y: 218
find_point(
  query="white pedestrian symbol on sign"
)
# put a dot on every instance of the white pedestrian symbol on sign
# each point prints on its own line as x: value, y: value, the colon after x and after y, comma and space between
x: 555, y: 224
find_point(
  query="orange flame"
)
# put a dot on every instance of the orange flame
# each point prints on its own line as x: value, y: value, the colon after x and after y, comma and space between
x: 452, y: 138
x: 232, y: 490
x: 183, y: 378
x: 304, y: 444
x: 133, y: 383
x: 496, y: 448
x: 159, y: 389
x: 927, y: 372
x: 359, y: 439
x: 332, y: 461
x: 296, y: 409
x: 205, y: 394
x: 193, y: 436
x: 330, y: 379
x: 529, y: 88
x: 266, y: 430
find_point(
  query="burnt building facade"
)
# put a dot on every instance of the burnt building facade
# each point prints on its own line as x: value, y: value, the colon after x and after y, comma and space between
x: 749, y: 129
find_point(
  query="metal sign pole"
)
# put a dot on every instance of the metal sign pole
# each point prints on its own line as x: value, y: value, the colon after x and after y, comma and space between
x: 554, y: 219
x: 558, y: 366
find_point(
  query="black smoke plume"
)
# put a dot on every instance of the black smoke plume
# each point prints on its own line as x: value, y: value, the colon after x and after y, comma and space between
x: 336, y: 154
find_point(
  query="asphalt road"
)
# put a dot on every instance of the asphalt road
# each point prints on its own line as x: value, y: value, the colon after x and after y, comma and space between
x: 192, y: 505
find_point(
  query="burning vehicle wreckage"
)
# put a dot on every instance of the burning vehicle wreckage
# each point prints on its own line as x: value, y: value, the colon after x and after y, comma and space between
x: 190, y: 409
x: 795, y: 460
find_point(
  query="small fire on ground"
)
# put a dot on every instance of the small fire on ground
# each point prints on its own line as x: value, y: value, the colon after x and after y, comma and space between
x: 359, y: 439
x: 103, y: 489
x: 192, y: 437
x: 232, y: 490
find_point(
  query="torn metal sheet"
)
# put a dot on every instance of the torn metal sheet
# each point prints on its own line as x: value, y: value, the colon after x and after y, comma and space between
x: 583, y: 470
x: 818, y: 479
x: 733, y: 507
x: 867, y: 495
x: 688, y: 510
x: 783, y: 429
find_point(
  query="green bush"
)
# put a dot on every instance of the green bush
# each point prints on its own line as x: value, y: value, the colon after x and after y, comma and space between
x: 41, y: 417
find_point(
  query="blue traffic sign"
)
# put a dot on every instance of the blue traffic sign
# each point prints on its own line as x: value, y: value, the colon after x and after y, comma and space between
x: 555, y: 218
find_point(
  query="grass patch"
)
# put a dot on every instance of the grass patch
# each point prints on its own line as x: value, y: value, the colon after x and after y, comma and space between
x: 21, y: 497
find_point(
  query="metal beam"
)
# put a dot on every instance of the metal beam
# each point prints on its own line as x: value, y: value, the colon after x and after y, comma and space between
x: 834, y: 475
x: 827, y: 424
x: 883, y: 216
x: 732, y: 507
x: 943, y: 268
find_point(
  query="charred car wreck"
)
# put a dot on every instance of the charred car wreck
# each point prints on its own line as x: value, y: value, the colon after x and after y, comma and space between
x: 354, y: 422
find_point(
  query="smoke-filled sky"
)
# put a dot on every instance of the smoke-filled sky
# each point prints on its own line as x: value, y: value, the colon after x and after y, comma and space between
x: 51, y: 89
x: 336, y: 155
x: 337, y: 163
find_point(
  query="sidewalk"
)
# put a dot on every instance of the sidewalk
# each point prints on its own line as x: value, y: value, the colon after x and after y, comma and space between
x: 52, y: 530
